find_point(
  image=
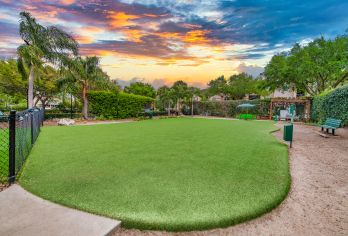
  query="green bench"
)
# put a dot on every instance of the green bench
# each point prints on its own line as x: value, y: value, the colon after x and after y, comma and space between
x: 332, y: 124
x: 247, y: 117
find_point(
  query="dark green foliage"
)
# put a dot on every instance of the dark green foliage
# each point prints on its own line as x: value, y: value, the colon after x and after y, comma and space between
x: 60, y: 115
x: 117, y: 105
x: 17, y: 107
x: 140, y: 88
x: 313, y: 68
x: 331, y: 105
x: 229, y: 108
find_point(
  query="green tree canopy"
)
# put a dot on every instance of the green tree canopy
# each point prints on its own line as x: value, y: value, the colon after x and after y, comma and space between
x: 42, y: 44
x: 217, y: 86
x: 239, y: 85
x: 140, y: 88
x: 86, y: 74
x: 11, y: 81
x: 320, y: 65
x: 45, y: 85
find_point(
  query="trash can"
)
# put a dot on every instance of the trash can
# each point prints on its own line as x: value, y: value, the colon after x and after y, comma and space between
x: 148, y: 113
x: 288, y: 133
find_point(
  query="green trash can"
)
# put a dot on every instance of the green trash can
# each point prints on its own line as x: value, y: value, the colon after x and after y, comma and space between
x: 288, y: 133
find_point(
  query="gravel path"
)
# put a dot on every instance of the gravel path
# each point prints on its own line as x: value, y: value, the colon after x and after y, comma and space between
x: 318, y: 201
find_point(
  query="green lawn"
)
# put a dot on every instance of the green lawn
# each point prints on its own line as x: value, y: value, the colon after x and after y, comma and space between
x: 169, y: 174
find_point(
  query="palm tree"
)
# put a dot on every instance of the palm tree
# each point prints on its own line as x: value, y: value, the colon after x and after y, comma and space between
x: 166, y: 95
x: 86, y: 73
x: 42, y: 44
x: 180, y: 92
x: 192, y: 92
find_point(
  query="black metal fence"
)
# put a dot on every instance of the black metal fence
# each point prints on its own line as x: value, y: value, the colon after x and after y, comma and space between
x: 18, y: 133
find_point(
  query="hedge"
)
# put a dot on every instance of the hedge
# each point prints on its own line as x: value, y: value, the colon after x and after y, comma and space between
x: 229, y: 108
x: 110, y: 105
x: 61, y: 115
x: 331, y: 105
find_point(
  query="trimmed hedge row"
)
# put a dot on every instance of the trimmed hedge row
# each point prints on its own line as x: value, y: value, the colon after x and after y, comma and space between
x: 331, y: 105
x: 121, y: 105
x: 60, y: 115
x: 229, y: 108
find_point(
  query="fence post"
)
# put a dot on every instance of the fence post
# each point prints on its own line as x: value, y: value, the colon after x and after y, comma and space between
x: 31, y: 114
x: 12, y: 147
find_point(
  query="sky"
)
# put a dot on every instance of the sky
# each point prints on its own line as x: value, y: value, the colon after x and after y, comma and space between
x: 161, y: 41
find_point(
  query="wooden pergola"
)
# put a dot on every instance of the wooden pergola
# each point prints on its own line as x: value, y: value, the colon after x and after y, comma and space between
x: 287, y: 101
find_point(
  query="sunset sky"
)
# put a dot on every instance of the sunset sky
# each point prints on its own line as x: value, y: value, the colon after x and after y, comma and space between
x: 163, y: 41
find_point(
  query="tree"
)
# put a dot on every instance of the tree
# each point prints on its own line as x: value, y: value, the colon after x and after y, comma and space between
x: 140, y: 88
x: 217, y: 86
x: 239, y: 85
x: 42, y: 44
x: 86, y: 73
x: 320, y: 65
x: 192, y: 93
x: 11, y: 81
x: 179, y: 90
x: 166, y: 96
x: 46, y: 85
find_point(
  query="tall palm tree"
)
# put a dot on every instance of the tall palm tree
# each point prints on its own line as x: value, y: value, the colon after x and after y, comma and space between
x: 86, y: 73
x: 41, y: 45
x: 192, y: 92
x: 167, y: 96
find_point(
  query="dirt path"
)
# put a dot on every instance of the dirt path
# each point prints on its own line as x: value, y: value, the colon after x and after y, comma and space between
x: 318, y: 201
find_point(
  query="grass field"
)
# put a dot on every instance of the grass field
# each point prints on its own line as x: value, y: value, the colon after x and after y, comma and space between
x: 169, y: 174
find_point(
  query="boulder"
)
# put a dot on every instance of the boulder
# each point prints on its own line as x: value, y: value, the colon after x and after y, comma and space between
x: 66, y: 122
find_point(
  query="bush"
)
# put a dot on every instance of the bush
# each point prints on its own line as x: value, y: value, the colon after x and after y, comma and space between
x: 111, y: 105
x: 61, y: 115
x: 331, y: 105
x: 17, y: 107
x: 230, y: 108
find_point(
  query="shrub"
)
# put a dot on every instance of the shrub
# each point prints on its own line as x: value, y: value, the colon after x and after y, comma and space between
x: 117, y: 105
x: 331, y: 105
x: 60, y: 115
x: 230, y: 108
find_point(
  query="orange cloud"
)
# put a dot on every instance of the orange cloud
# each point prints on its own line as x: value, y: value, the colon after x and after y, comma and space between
x: 196, y: 36
x: 121, y: 19
x: 133, y: 34
x: 155, y: 16
x: 95, y: 52
x: 83, y: 39
x: 169, y: 35
x: 91, y: 29
x: 67, y: 2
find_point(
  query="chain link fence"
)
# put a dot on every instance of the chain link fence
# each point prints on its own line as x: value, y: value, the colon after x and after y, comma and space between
x: 18, y: 133
x: 4, y: 149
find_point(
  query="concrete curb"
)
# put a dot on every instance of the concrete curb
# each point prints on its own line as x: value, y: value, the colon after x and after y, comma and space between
x: 23, y: 213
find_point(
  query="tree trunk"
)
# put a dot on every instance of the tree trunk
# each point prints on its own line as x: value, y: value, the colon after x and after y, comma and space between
x: 31, y: 88
x: 85, y: 102
x: 168, y: 108
x: 44, y: 104
x: 192, y: 106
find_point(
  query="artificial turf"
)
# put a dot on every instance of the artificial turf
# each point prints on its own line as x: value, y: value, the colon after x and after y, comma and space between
x: 168, y: 174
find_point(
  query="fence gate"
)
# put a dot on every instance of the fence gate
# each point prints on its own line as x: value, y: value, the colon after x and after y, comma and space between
x: 18, y: 133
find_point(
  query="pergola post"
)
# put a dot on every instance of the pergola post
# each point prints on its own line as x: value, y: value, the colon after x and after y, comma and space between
x: 270, y: 109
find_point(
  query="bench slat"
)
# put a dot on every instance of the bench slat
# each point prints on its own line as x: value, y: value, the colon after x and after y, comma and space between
x: 332, y: 123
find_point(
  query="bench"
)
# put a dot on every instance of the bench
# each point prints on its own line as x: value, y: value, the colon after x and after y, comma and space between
x: 247, y: 117
x: 332, y: 124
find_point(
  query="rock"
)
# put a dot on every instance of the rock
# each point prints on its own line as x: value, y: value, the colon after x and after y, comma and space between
x: 66, y: 122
